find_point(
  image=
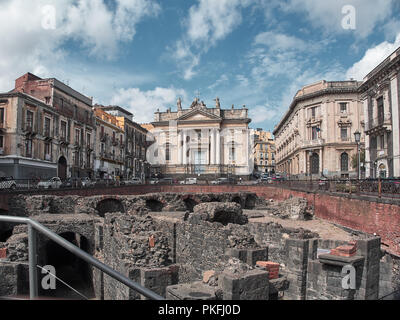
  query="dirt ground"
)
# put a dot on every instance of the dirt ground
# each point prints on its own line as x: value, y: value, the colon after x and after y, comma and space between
x: 325, y: 229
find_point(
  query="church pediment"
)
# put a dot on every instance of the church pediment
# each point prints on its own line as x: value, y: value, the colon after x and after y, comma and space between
x: 198, y: 114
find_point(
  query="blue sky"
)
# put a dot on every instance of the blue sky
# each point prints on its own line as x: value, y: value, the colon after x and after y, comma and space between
x: 144, y: 54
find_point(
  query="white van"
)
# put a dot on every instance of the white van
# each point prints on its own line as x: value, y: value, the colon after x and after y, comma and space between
x: 191, y: 181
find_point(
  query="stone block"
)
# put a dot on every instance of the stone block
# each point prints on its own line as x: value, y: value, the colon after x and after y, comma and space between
x: 191, y: 291
x: 253, y: 285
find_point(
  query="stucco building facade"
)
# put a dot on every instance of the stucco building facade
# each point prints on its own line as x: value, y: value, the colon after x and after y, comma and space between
x: 316, y: 135
x: 264, y: 151
x: 49, y: 125
x: 202, y: 141
x: 134, y: 144
x: 380, y: 94
x: 109, y: 160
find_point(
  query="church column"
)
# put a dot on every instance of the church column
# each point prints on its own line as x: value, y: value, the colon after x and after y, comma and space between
x: 212, y: 146
x: 184, y: 148
x: 179, y: 148
x: 218, y: 146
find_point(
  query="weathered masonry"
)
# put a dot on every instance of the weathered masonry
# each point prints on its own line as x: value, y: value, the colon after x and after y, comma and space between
x: 192, y: 246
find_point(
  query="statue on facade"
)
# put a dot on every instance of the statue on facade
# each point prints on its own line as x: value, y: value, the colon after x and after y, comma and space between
x: 217, y: 103
x: 195, y: 102
x: 203, y: 104
x: 179, y: 103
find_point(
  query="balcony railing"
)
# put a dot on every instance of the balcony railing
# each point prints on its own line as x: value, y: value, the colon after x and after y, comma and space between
x: 312, y: 143
x: 379, y: 121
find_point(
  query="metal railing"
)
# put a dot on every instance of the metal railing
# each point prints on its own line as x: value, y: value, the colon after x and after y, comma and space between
x: 34, y: 226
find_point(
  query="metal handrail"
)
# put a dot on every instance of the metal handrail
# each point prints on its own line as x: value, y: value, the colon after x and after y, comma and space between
x: 34, y: 226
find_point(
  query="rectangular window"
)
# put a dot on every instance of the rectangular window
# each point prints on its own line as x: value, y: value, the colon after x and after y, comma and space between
x: 343, y: 107
x: 315, y: 133
x: 63, y: 130
x: 343, y: 134
x: 47, y: 127
x: 88, y: 160
x: 381, y: 111
x: 77, y: 136
x: 76, y: 159
x: 88, y: 140
x: 29, y: 120
x: 382, y: 141
x: 47, y: 151
x: 28, y: 148
x: 313, y: 112
x: 2, y: 142
x: 47, y: 100
x: 1, y: 116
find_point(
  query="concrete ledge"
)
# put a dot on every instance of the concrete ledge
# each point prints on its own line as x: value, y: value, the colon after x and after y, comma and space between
x: 339, y: 260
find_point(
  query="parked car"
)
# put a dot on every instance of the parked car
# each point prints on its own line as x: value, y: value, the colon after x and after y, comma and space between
x: 52, y: 183
x: 7, y: 183
x: 224, y: 181
x: 154, y: 181
x: 189, y: 181
x: 323, y: 183
x: 67, y: 183
x: 86, y: 182
x: 133, y: 181
x: 166, y: 181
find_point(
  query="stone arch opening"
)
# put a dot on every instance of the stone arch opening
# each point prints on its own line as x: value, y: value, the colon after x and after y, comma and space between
x: 224, y: 217
x: 237, y: 199
x: 109, y: 205
x: 69, y: 268
x: 5, y: 234
x: 62, y: 168
x: 250, y: 202
x: 154, y: 205
x: 190, y: 204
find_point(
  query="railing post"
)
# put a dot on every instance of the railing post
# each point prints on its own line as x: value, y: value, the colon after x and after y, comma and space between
x: 33, y: 284
x: 379, y: 188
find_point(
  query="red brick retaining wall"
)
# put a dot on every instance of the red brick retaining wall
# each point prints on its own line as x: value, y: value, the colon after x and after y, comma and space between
x: 368, y: 215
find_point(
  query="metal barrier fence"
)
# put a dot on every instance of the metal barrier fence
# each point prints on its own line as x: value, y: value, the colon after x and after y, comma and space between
x: 375, y: 187
x: 34, y: 227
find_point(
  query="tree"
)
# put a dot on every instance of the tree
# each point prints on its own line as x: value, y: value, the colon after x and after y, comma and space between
x: 354, y: 159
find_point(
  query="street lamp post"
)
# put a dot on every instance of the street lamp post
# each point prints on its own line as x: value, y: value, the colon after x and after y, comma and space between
x: 357, y: 137
x: 310, y: 166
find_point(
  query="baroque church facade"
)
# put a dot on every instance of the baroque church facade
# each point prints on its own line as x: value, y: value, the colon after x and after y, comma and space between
x: 201, y: 141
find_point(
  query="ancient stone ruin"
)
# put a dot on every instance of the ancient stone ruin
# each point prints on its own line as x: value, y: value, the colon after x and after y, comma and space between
x: 192, y: 246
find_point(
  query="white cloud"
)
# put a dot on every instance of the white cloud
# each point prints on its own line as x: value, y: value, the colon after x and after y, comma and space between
x: 143, y: 104
x: 98, y: 29
x: 260, y: 114
x: 329, y: 16
x: 209, y: 22
x: 372, y: 58
x: 222, y: 79
x: 280, y: 42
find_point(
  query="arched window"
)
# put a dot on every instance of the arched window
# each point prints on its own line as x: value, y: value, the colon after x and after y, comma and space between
x: 344, y: 162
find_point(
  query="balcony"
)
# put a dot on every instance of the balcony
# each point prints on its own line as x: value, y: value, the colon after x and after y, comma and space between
x: 313, y: 143
x: 381, y: 122
x: 103, y: 137
x: 29, y: 127
x: 115, y: 142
